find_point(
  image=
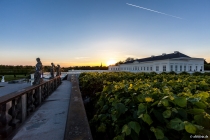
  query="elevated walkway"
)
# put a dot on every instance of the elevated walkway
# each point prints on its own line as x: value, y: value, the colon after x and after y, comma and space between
x: 62, y: 116
x: 49, y: 121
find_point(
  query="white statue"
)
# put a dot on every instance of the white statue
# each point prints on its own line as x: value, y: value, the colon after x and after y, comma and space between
x: 2, y: 80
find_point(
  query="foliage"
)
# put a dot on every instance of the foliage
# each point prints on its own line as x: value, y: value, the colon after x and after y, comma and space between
x: 184, y: 73
x: 11, y: 77
x: 147, y: 105
x: 197, y: 73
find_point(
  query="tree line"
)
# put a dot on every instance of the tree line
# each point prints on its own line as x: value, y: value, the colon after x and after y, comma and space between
x: 26, y: 70
x: 86, y: 68
x: 206, y: 65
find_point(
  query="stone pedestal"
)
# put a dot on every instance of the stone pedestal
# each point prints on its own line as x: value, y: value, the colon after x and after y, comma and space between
x: 32, y: 79
x: 2, y: 80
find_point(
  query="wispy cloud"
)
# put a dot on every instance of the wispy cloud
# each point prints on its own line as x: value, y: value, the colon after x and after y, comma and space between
x: 128, y: 55
x: 81, y: 57
x: 154, y: 11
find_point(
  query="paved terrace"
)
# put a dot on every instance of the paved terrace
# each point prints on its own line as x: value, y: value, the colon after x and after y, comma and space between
x: 6, y: 88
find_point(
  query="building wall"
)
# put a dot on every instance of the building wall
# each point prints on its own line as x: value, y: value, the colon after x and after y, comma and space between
x: 188, y: 65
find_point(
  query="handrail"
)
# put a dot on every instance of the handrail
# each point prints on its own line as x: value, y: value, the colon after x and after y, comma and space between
x: 17, y: 106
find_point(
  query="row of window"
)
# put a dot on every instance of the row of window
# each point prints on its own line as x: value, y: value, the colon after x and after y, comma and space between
x: 190, y: 68
x: 157, y: 68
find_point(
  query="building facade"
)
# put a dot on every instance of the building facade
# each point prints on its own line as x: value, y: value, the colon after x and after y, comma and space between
x: 176, y: 62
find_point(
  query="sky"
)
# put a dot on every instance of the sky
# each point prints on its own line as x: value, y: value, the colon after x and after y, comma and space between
x: 91, y: 32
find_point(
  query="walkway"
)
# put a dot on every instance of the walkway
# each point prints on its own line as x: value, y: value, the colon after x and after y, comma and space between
x: 49, y: 121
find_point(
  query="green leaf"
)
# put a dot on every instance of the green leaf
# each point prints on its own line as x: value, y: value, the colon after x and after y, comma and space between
x: 200, y: 105
x: 102, y: 128
x: 156, y: 102
x: 167, y: 114
x: 141, y: 108
x: 181, y: 101
x: 195, y: 111
x: 182, y: 112
x: 105, y: 107
x: 202, y: 120
x: 146, y: 118
x: 140, y: 98
x: 165, y: 102
x: 120, y: 108
x: 203, y: 95
x: 190, y: 128
x: 135, y: 126
x: 126, y: 129
x: 174, y: 110
x: 176, y: 124
x: 119, y: 137
x: 158, y: 133
x: 193, y: 100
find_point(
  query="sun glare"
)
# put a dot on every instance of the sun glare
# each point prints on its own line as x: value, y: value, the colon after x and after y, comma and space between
x: 110, y: 62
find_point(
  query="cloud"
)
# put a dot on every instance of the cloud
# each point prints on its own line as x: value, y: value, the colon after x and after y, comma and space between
x: 81, y: 57
x: 132, y: 56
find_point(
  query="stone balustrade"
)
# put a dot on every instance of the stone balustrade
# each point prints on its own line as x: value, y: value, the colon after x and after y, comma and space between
x: 17, y: 106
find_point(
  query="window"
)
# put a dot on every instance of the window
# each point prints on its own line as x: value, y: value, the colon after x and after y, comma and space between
x: 147, y: 68
x: 180, y: 68
x: 151, y: 68
x: 196, y: 68
x: 176, y: 67
x: 141, y: 68
x: 171, y: 67
x: 201, y: 68
x: 144, y: 68
x: 190, y: 68
x: 157, y: 68
x: 184, y: 68
x: 164, y: 68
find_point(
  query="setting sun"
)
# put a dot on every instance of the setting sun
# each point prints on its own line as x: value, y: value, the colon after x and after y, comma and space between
x: 110, y: 62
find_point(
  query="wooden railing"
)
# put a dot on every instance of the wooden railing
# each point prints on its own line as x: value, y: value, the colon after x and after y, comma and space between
x: 17, y: 106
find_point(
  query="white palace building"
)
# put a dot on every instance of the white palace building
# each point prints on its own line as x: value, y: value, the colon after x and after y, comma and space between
x: 177, y: 62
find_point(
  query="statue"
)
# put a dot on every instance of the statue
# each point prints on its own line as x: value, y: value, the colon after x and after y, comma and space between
x: 58, y: 68
x: 52, y: 70
x: 38, y: 72
x: 2, y: 80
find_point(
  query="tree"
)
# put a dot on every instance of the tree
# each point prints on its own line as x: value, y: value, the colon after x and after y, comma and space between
x: 205, y: 62
x: 129, y: 59
x: 119, y: 62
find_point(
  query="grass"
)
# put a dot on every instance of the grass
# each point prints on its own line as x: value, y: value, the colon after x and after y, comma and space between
x: 11, y: 77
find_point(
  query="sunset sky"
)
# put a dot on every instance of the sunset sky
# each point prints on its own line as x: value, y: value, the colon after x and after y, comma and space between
x: 91, y: 32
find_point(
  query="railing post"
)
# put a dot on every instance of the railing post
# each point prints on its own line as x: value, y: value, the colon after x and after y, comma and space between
x: 56, y: 82
x: 24, y: 112
x: 5, y: 118
x: 40, y: 94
